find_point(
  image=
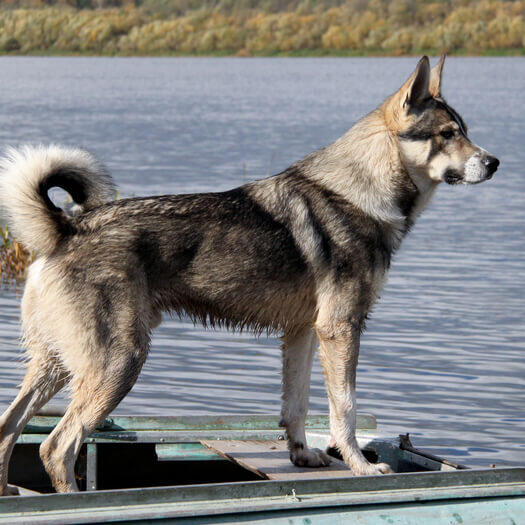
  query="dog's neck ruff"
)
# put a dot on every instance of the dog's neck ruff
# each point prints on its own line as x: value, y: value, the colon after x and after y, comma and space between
x: 365, y: 168
x: 426, y: 188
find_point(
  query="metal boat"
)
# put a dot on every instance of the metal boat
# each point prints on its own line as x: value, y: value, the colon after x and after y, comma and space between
x: 235, y: 469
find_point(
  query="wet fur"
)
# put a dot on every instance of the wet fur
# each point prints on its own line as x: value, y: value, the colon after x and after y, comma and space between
x: 303, y: 253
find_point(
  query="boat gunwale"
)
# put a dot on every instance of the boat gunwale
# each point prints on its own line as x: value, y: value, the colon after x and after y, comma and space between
x: 177, y: 510
x: 43, y: 424
x: 409, y: 486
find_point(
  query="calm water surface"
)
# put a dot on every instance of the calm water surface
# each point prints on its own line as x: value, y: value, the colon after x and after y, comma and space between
x: 444, y: 354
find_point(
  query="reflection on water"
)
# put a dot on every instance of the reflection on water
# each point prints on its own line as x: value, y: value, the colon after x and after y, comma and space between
x: 443, y: 357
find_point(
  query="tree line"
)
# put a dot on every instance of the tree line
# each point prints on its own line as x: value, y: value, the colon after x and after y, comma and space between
x: 261, y: 27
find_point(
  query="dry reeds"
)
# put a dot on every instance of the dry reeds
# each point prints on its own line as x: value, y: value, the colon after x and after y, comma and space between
x: 14, y: 258
x: 391, y: 27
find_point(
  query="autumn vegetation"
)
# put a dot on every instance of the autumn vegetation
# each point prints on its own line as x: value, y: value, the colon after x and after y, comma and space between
x: 14, y: 258
x: 261, y: 27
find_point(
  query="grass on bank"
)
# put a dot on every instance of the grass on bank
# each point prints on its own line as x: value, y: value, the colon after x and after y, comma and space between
x: 354, y: 28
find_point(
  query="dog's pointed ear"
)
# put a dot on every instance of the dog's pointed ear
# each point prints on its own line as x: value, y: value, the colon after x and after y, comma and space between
x: 416, y: 88
x: 435, y: 77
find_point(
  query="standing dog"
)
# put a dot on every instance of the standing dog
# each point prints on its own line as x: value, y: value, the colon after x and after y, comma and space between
x: 304, y: 252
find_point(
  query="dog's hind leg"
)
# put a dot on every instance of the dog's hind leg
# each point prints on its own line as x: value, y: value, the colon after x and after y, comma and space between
x: 44, y: 378
x: 96, y: 390
x: 298, y: 352
x: 339, y: 351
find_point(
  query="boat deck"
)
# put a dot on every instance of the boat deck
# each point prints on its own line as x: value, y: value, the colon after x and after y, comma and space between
x: 236, y: 469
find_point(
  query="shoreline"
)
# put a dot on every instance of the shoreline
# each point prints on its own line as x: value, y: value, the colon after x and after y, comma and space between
x: 307, y: 53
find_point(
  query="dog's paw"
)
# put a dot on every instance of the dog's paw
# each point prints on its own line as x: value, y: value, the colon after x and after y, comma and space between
x: 9, y: 491
x: 309, y: 457
x: 383, y: 468
x: 371, y: 469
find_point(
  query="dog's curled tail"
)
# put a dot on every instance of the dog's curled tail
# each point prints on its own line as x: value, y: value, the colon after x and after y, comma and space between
x: 26, y: 176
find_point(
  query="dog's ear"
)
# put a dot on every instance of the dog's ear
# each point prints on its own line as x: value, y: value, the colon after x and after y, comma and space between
x: 435, y: 77
x: 416, y: 88
x: 414, y: 91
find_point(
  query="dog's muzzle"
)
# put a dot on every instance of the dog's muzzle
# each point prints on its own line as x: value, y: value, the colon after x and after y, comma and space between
x: 478, y: 168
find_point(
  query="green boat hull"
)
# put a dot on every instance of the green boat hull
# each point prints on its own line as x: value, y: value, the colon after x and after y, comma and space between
x: 134, y: 456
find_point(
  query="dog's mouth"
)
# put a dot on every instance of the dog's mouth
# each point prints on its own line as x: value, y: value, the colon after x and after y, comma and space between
x: 453, y: 177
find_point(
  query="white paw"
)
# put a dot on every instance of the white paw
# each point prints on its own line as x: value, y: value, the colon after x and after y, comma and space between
x: 309, y: 457
x: 9, y: 491
x: 371, y: 469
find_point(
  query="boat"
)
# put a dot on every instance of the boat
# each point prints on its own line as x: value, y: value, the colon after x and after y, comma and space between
x: 235, y: 469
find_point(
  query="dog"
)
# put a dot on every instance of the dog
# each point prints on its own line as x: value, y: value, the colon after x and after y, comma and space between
x: 304, y: 253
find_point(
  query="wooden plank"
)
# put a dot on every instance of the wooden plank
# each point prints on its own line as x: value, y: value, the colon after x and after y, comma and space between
x: 271, y: 460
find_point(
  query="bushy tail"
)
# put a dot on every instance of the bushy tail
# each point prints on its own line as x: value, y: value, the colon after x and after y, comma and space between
x: 26, y: 176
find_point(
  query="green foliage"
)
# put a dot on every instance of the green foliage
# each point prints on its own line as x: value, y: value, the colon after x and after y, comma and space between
x: 261, y: 27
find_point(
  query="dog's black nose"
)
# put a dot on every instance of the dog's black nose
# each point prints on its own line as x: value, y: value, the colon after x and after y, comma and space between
x: 492, y: 164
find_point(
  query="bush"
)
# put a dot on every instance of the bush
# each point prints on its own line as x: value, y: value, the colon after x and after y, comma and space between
x: 10, y: 45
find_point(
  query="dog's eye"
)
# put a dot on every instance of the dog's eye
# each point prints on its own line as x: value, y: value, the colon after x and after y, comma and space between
x: 447, y: 134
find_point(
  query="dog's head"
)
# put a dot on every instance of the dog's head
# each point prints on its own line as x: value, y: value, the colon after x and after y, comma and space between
x: 432, y: 136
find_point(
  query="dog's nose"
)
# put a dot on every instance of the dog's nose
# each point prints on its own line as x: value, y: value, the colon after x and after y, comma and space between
x: 491, y: 163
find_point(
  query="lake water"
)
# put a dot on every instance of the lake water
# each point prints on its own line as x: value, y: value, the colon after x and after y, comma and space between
x: 443, y: 357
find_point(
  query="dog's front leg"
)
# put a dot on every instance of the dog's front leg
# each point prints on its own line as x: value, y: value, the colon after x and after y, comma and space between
x: 339, y: 351
x: 298, y: 351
